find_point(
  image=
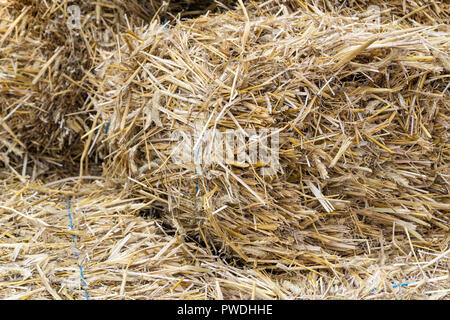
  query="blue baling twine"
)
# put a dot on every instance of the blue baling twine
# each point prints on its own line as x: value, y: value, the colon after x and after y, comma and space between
x: 106, y: 131
x: 165, y: 26
x: 107, y: 127
x: 76, y: 250
x: 395, y: 286
x: 400, y: 285
x: 196, y: 184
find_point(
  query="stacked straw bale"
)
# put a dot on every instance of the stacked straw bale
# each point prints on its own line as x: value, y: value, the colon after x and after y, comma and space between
x: 361, y: 110
x: 129, y: 257
x: 35, y: 95
x: 47, y: 48
x: 358, y: 205
x: 45, y: 53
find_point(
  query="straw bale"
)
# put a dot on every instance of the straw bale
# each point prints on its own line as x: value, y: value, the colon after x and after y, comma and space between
x: 127, y: 256
x: 46, y: 49
x: 360, y: 109
x: 358, y: 208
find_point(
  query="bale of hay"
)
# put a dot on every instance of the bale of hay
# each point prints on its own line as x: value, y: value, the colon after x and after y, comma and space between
x: 360, y: 110
x: 45, y: 107
x: 124, y: 256
x: 357, y: 207
x: 35, y: 96
x: 47, y: 48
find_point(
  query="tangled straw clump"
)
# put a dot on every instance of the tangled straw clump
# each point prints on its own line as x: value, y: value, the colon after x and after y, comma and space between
x: 359, y: 101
